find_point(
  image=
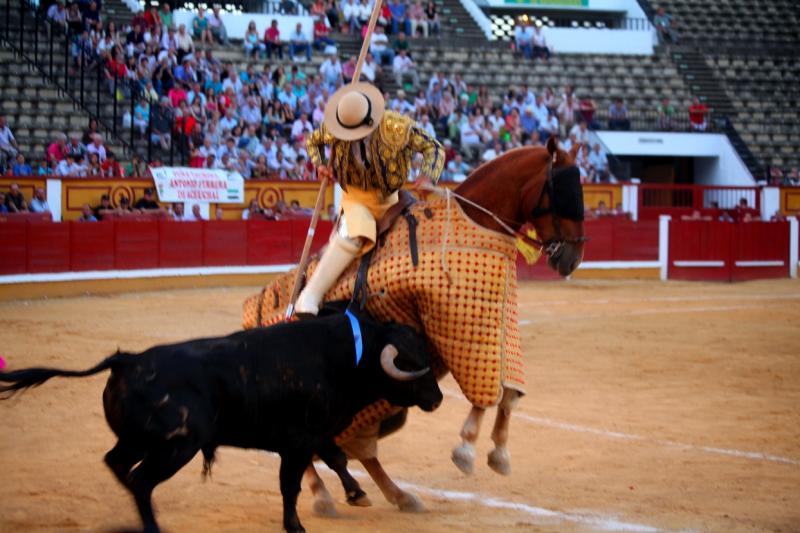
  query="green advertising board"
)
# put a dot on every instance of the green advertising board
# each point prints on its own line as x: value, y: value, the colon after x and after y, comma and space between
x: 550, y: 3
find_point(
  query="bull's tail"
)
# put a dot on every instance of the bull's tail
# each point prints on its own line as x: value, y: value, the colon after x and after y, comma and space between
x: 33, y: 377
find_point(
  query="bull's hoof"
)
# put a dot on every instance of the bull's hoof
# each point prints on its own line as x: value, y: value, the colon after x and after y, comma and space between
x: 325, y: 507
x: 464, y: 458
x: 359, y: 499
x: 500, y: 461
x: 409, y: 503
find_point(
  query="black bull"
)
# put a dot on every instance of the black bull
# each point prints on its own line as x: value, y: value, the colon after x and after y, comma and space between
x: 289, y: 388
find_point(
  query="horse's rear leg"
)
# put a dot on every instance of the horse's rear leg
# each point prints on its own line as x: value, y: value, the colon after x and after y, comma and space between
x: 405, y: 501
x: 499, y: 459
x: 464, y: 455
x: 324, y: 504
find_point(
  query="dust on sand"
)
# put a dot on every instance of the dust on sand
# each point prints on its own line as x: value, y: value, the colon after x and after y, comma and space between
x: 650, y: 405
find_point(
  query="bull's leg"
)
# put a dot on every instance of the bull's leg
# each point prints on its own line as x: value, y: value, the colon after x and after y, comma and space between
x: 159, y: 464
x: 323, y: 501
x: 499, y: 459
x: 336, y: 460
x: 121, y: 458
x: 406, y: 501
x: 464, y: 455
x: 293, y: 464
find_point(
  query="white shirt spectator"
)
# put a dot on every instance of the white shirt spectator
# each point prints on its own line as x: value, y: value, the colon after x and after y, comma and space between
x: 496, y: 123
x: 251, y: 114
x: 489, y: 154
x: 426, y: 125
x: 99, y: 150
x: 538, y: 38
x: 331, y: 70
x: 57, y: 15
x: 64, y: 168
x: 540, y: 112
x: 598, y: 161
x: 350, y: 10
x: 301, y: 128
x: 369, y: 70
x: 402, y: 63
x: 39, y: 206
x: 228, y: 123
x: 298, y: 36
x: 470, y: 134
x: 6, y: 138
x: 580, y: 136
x: 378, y: 43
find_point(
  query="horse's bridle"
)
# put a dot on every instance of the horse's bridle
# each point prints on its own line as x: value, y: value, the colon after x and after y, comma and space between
x: 560, y: 205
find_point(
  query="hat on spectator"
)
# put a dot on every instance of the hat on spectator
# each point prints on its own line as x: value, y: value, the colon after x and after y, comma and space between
x: 354, y: 111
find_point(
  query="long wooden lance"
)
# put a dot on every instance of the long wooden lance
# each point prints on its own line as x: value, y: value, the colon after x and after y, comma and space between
x: 312, y: 227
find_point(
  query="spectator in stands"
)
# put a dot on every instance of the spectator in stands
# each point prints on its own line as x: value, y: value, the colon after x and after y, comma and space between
x: 252, y: 43
x: 698, y: 115
x: 321, y: 34
x: 15, y: 200
x: 540, y: 49
x: 58, y: 148
x: 152, y: 18
x: 364, y: 11
x: 39, y: 202
x: 418, y: 18
x: 598, y: 164
x: 494, y: 151
x: 196, y: 214
x: 528, y: 121
x: 217, y: 26
x: 549, y: 127
x: 3, y: 207
x: 136, y: 168
x: 185, y: 43
x: 587, y: 108
x: 566, y: 112
x: 331, y: 72
x: 457, y: 170
x: 86, y: 214
x: 111, y: 167
x: 93, y: 168
x: 580, y: 132
x: 165, y: 14
x: 69, y: 167
x: 350, y: 16
x: 523, y: 38
x: 618, y: 116
x: 57, y: 15
x: 8, y: 144
x: 104, y: 209
x: 74, y: 19
x: 253, y: 211
x: 21, y: 168
x: 403, y: 67
x: 432, y: 15
x: 666, y: 115
x: 162, y: 125
x: 471, y: 139
x: 379, y: 46
x: 665, y: 27
x: 147, y: 203
x: 272, y: 40
x: 97, y: 147
x: 400, y: 20
x: 299, y: 43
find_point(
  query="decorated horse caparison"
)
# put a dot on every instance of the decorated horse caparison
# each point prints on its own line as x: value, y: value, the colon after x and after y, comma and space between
x: 447, y: 267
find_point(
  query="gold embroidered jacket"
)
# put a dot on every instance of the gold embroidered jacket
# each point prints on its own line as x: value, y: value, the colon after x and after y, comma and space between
x: 391, y: 147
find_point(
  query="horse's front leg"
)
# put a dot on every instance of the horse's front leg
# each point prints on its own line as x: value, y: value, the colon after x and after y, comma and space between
x: 405, y: 501
x: 499, y: 458
x: 324, y: 504
x: 464, y: 455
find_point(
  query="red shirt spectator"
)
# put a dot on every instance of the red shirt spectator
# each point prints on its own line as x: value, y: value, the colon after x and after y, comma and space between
x: 112, y: 168
x: 116, y: 67
x: 272, y: 35
x: 697, y: 114
x: 320, y: 29
x: 152, y: 18
x: 176, y: 96
x: 57, y: 151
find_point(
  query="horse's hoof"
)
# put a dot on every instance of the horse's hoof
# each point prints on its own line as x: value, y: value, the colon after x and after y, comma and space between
x: 359, y: 500
x: 464, y: 458
x: 325, y: 507
x: 409, y: 503
x: 500, y: 461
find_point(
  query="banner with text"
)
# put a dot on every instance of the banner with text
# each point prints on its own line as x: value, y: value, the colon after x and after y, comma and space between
x: 181, y: 184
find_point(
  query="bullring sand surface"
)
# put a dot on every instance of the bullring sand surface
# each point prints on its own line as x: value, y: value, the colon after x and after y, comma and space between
x: 650, y: 406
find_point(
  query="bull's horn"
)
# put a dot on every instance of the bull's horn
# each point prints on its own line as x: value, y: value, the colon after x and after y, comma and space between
x: 387, y: 362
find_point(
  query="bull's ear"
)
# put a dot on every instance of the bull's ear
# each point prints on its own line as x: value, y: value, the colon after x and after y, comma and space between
x: 388, y: 356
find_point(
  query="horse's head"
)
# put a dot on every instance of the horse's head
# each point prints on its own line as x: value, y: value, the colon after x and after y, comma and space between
x: 553, y: 203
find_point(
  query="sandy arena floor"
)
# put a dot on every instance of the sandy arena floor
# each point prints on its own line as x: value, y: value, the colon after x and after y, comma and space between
x: 651, y: 406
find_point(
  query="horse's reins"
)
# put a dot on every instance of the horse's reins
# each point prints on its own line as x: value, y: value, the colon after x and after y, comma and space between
x: 551, y: 247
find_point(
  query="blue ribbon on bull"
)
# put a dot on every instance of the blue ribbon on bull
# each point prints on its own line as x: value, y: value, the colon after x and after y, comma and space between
x: 356, y: 327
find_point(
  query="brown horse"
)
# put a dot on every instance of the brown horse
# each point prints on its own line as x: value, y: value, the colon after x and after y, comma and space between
x: 532, y: 185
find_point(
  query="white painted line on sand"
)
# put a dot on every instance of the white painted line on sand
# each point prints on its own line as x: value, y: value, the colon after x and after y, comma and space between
x: 592, y: 520
x: 547, y: 422
x: 677, y: 299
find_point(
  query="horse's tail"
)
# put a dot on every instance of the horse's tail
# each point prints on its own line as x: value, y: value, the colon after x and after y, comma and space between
x: 33, y: 377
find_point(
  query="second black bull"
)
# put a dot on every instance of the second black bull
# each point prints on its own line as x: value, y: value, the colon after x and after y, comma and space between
x: 289, y: 388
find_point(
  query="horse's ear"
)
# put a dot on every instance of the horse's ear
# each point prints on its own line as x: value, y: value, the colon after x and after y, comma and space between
x: 573, y: 152
x: 552, y: 144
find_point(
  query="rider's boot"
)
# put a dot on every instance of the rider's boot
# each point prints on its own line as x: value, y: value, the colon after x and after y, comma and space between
x: 338, y: 255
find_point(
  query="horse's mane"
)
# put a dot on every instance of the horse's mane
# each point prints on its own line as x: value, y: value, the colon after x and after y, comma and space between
x: 490, y: 168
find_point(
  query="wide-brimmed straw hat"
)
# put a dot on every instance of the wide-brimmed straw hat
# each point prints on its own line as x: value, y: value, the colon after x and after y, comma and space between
x: 354, y: 111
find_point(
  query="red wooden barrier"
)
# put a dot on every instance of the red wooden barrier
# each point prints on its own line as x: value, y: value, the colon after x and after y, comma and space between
x: 180, y: 244
x: 48, y: 247
x: 760, y: 250
x: 14, y: 258
x: 225, y: 243
x: 270, y: 242
x: 136, y: 244
x: 91, y: 245
x: 723, y: 251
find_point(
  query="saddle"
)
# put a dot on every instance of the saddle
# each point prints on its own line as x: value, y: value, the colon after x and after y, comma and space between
x: 401, y: 208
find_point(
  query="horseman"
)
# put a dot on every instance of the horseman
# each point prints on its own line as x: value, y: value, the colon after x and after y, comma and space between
x: 370, y: 156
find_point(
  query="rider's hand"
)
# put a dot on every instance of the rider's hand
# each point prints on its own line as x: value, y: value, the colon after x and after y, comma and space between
x: 324, y: 171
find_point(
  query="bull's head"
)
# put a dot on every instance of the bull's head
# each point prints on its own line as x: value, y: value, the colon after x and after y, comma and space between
x: 406, y: 361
